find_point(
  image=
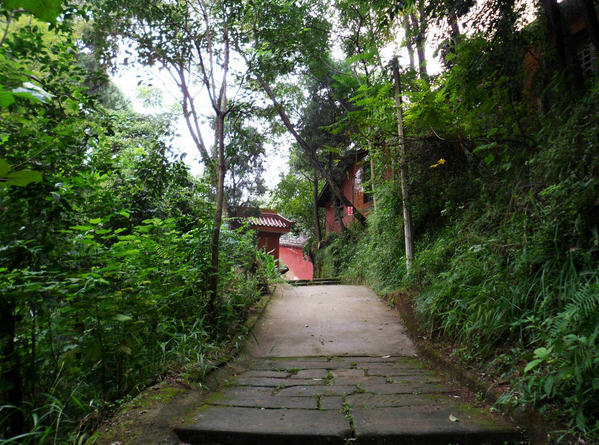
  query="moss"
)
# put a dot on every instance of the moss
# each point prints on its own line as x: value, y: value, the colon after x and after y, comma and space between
x: 126, y: 426
x: 215, y: 397
x: 193, y: 414
x: 160, y: 393
x: 475, y: 414
x: 123, y: 431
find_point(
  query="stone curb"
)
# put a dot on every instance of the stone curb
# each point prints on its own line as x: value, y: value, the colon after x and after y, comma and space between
x: 536, y: 428
x: 189, y: 399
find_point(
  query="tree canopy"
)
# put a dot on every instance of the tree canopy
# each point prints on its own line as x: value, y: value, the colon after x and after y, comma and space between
x: 118, y: 266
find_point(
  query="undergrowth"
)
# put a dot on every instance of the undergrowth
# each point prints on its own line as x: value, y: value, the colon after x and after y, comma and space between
x: 508, y: 273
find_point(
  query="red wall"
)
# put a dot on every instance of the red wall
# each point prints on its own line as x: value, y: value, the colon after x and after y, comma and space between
x: 351, y: 192
x: 269, y: 242
x: 299, y: 268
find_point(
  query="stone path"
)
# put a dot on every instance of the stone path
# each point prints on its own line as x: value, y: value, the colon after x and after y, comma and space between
x: 333, y: 365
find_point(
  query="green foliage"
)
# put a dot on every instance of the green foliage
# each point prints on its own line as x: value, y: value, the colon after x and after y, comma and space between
x: 507, y: 228
x: 293, y: 197
x: 280, y: 36
x: 244, y: 184
x: 105, y: 244
x: 19, y: 178
x: 46, y: 10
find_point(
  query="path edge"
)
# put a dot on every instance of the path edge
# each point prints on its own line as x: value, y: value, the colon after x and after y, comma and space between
x: 189, y: 397
x: 538, y: 430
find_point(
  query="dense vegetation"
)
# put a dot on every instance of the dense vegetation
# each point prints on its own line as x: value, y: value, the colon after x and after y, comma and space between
x: 105, y: 242
x: 118, y: 266
x: 506, y: 263
x: 503, y: 181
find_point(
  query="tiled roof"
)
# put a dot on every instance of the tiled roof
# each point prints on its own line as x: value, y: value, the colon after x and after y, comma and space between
x: 267, y: 221
x: 270, y: 221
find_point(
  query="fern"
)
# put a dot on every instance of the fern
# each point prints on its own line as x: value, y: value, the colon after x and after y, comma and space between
x: 584, y: 306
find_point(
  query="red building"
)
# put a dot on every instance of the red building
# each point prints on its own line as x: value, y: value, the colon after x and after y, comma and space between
x: 356, y: 188
x: 574, y: 18
x: 270, y: 226
x: 292, y: 255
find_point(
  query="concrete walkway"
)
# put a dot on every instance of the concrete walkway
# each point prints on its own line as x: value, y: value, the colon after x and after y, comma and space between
x: 333, y: 365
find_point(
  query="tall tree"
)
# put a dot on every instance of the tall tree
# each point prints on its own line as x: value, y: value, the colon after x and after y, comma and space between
x: 409, y: 39
x: 244, y: 183
x: 191, y: 40
x: 43, y: 130
x: 590, y: 17
x: 315, y: 191
x: 418, y: 22
x: 309, y: 150
x: 559, y: 35
x: 328, y: 102
x: 294, y: 197
x: 278, y: 39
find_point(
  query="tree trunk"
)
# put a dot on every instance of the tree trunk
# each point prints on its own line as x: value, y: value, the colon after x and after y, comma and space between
x: 560, y: 36
x: 10, y: 371
x: 315, y: 210
x: 555, y: 30
x: 418, y: 27
x: 407, y: 214
x: 190, y: 114
x: 590, y: 17
x: 372, y: 180
x: 409, y: 40
x: 452, y: 21
x: 339, y: 216
x: 219, y: 104
x: 220, y: 170
x: 309, y: 151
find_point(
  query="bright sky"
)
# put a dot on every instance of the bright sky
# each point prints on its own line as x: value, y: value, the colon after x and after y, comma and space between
x: 127, y: 79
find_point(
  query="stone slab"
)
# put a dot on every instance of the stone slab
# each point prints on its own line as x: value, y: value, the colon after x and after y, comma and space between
x: 429, y: 425
x: 242, y: 426
x: 395, y: 370
x: 274, y: 382
x: 296, y: 364
x: 265, y: 373
x: 331, y: 402
x: 239, y: 391
x: 311, y: 374
x: 365, y: 400
x: 332, y: 320
x: 348, y: 373
x: 286, y: 364
x: 377, y: 359
x: 258, y: 398
x: 409, y: 379
x: 359, y: 380
x: 287, y: 395
x: 404, y: 388
x: 324, y: 390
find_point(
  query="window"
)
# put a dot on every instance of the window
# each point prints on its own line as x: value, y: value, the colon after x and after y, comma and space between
x: 585, y: 53
x: 586, y: 57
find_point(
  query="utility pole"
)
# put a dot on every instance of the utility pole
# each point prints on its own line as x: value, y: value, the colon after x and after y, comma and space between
x: 403, y: 172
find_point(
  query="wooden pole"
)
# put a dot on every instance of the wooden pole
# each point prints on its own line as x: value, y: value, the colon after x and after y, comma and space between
x: 403, y: 171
